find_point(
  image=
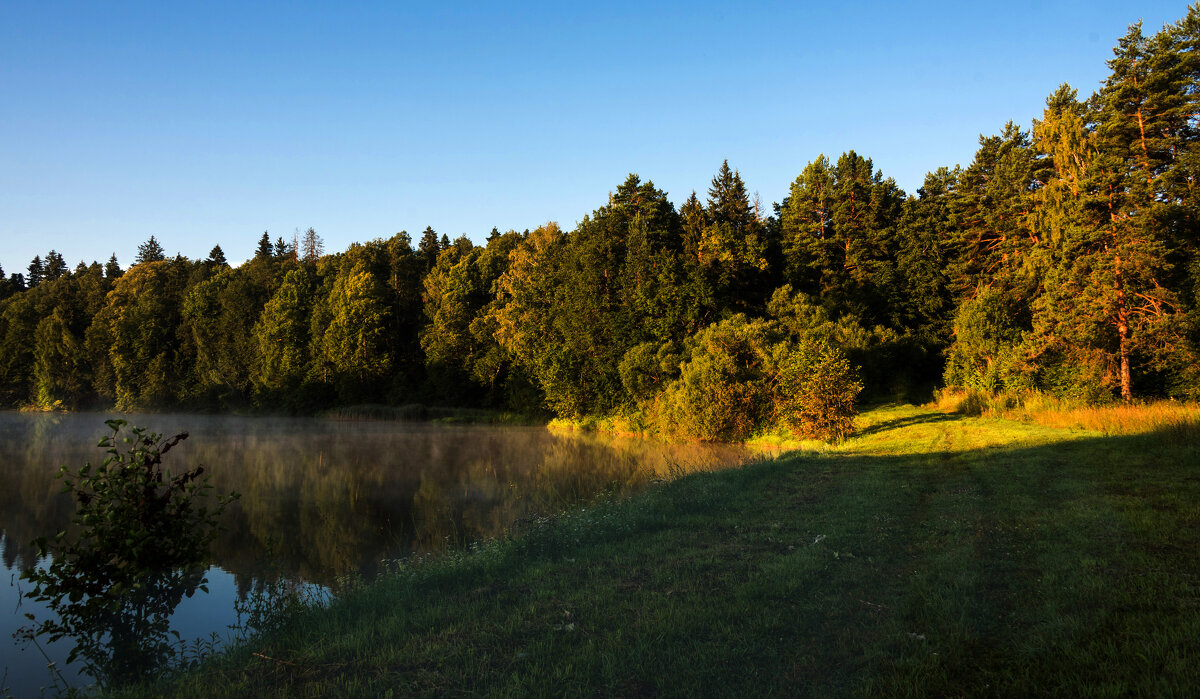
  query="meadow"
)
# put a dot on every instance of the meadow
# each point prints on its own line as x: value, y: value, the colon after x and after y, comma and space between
x: 933, y: 553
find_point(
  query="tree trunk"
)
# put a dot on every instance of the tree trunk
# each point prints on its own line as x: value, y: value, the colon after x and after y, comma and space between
x: 1123, y: 337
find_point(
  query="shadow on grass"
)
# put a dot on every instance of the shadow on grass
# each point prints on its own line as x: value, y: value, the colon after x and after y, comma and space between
x: 907, y: 421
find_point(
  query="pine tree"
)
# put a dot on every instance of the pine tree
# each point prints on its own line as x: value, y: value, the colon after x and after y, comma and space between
x: 264, y: 249
x: 150, y: 251
x: 282, y: 250
x: 1117, y: 261
x: 112, y: 270
x: 990, y: 212
x: 733, y: 247
x: 36, y: 271
x: 926, y: 306
x: 54, y: 267
x: 216, y: 257
x: 837, y: 229
x: 693, y: 220
x: 806, y: 228
x: 428, y: 248
x: 1106, y: 208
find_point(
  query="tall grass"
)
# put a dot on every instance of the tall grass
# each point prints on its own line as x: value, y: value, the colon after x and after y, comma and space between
x: 1181, y: 420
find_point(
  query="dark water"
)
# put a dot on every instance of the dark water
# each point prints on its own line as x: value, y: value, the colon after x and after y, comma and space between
x: 319, y: 498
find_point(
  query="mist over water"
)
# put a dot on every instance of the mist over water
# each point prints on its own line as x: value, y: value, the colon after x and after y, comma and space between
x: 322, y: 498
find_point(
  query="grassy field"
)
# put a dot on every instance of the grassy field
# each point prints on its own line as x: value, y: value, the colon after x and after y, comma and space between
x: 932, y: 554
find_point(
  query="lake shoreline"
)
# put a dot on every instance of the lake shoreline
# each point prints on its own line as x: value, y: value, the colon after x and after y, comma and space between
x: 932, y: 554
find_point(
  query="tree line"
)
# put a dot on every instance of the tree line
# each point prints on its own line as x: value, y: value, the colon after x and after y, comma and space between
x: 1063, y: 259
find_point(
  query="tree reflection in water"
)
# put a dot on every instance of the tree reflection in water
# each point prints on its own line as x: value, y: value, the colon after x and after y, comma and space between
x: 138, y: 543
x: 323, y: 499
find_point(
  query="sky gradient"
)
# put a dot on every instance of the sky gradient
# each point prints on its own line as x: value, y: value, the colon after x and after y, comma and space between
x: 209, y: 123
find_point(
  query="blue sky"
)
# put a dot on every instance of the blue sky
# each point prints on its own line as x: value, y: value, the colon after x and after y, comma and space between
x: 209, y: 123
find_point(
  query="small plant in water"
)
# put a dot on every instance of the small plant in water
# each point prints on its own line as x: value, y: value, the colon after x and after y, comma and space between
x: 138, y: 544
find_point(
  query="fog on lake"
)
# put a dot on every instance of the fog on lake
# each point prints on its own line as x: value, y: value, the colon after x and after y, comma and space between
x: 325, y: 498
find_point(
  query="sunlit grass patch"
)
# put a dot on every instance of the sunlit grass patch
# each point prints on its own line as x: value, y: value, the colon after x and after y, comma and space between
x: 1112, y: 419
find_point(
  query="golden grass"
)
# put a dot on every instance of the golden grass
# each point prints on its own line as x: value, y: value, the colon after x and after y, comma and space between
x: 1042, y: 409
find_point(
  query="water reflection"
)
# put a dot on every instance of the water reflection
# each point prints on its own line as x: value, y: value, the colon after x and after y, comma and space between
x: 323, y: 498
x: 326, y: 498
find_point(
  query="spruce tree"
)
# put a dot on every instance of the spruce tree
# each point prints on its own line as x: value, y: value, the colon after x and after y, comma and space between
x: 282, y: 249
x: 428, y: 248
x: 36, y: 271
x: 54, y: 267
x: 216, y: 257
x: 112, y: 269
x: 264, y: 249
x: 733, y: 247
x: 150, y: 251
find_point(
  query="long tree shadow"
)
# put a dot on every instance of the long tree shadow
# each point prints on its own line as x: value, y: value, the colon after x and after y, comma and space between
x: 907, y: 421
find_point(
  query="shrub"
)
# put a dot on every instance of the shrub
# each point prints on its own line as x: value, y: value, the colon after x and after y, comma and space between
x: 816, y: 391
x: 139, y: 544
x: 722, y: 391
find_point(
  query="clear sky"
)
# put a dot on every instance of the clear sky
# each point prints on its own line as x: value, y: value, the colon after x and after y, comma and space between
x: 208, y: 123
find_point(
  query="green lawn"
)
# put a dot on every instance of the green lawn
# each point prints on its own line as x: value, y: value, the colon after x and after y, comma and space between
x: 932, y: 554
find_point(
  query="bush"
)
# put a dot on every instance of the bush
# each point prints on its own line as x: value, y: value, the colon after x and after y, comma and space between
x: 986, y: 354
x: 739, y: 375
x: 816, y: 391
x: 723, y: 387
x: 139, y: 544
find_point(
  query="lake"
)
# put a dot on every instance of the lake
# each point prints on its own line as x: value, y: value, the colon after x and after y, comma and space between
x: 319, y: 498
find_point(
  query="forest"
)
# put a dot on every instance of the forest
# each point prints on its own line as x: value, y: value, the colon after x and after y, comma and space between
x: 1062, y: 259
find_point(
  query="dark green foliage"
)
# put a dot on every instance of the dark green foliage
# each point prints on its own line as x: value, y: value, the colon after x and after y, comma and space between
x: 987, y: 353
x: 150, y: 251
x: 429, y: 248
x: 54, y: 267
x: 36, y: 272
x: 112, y: 269
x: 216, y: 257
x: 732, y: 248
x: 219, y: 314
x: 989, y: 209
x: 139, y: 329
x: 282, y: 343
x: 740, y: 376
x: 724, y: 385
x: 282, y: 250
x: 837, y: 230
x: 18, y: 321
x: 1062, y: 258
x: 138, y: 545
x: 60, y: 369
x: 264, y: 250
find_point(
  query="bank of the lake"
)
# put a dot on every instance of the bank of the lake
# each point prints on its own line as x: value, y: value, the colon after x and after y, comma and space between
x: 932, y: 554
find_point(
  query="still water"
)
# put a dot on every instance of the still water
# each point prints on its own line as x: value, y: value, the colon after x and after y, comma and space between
x: 319, y: 498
